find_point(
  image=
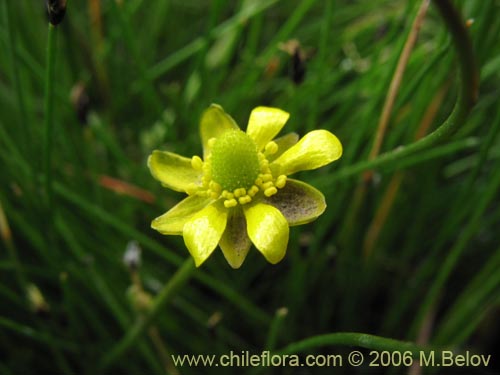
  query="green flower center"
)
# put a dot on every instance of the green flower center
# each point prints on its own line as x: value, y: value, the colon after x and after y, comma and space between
x: 235, y: 170
x: 235, y: 161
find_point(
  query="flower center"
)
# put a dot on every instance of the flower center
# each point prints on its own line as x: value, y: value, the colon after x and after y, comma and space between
x: 235, y: 162
x: 236, y: 170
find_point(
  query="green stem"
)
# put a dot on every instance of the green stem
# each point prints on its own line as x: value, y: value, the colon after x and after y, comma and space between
x: 451, y: 260
x: 479, y: 291
x: 166, y: 294
x: 11, y: 41
x: 49, y: 113
x: 465, y: 101
x: 361, y: 340
x: 37, y: 335
x: 275, y: 328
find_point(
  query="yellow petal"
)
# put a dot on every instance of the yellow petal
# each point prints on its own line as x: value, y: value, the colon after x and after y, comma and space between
x: 172, y: 170
x: 235, y: 242
x: 315, y: 149
x: 172, y: 222
x: 203, y: 231
x: 268, y: 230
x: 265, y: 123
x: 299, y: 202
x: 214, y: 121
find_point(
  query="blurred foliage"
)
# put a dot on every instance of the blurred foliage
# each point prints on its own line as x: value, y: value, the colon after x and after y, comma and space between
x: 132, y: 76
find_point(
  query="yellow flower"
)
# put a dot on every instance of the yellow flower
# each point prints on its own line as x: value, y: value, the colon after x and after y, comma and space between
x: 240, y: 192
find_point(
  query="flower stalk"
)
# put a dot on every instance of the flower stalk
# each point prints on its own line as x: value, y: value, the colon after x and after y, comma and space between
x: 49, y: 113
x: 181, y: 276
x: 56, y: 10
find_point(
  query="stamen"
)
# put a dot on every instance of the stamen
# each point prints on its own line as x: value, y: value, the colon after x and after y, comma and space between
x: 239, y: 192
x: 197, y: 163
x: 271, y: 148
x: 280, y: 181
x: 270, y: 191
x: 244, y: 200
x: 267, y: 185
x: 215, y: 187
x: 253, y: 190
x: 205, y: 180
x: 230, y: 203
x: 226, y: 194
x: 267, y: 177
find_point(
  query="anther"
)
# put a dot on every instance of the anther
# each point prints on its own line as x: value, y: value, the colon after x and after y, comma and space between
x: 280, y: 181
x: 211, y: 142
x: 197, y: 163
x: 230, y: 203
x: 205, y: 180
x: 215, y: 187
x: 267, y: 185
x: 253, y: 190
x: 267, y: 177
x: 244, y: 200
x: 239, y: 192
x: 270, y: 191
x: 271, y: 148
x: 226, y: 194
x: 207, y: 167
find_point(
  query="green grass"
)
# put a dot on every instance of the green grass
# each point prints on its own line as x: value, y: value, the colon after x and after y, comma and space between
x: 407, y: 258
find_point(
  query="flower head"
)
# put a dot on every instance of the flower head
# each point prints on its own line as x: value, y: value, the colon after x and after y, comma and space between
x: 240, y: 192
